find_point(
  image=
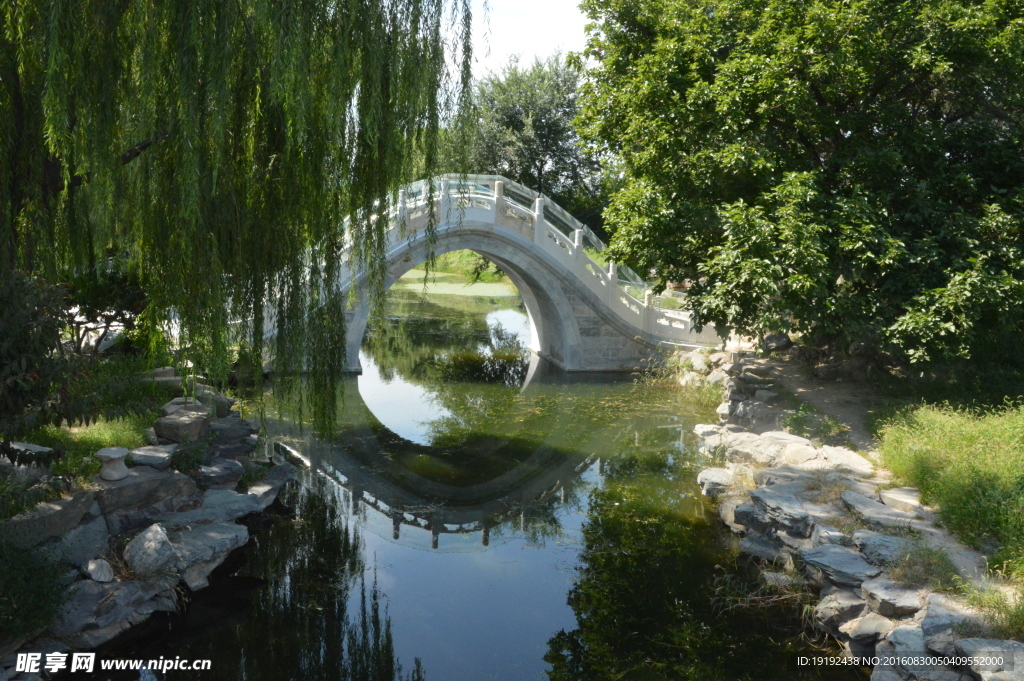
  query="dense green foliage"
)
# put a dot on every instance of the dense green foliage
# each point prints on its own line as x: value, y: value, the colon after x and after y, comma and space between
x: 971, y: 466
x: 850, y: 170
x: 525, y: 132
x: 230, y: 148
x: 30, y: 593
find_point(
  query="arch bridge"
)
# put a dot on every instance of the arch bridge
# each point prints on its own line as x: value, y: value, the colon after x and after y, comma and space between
x: 586, y: 314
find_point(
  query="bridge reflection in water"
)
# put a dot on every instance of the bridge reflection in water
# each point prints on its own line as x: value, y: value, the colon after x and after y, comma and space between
x: 391, y: 498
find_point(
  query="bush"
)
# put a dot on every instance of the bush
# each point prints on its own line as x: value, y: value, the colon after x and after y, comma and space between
x: 31, y: 592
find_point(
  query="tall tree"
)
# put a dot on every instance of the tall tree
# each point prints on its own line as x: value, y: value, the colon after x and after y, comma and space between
x: 525, y: 132
x: 232, y: 148
x: 852, y: 170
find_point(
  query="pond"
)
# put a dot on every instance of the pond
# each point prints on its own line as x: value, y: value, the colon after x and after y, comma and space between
x: 481, y: 515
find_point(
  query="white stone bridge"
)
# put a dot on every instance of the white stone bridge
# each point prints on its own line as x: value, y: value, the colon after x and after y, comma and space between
x: 584, y: 315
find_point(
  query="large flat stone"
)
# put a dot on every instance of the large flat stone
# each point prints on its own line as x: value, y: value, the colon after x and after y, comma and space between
x: 783, y: 510
x: 867, y: 628
x: 219, y: 506
x: 85, y: 542
x: 890, y: 599
x: 188, y: 424
x: 47, y: 520
x: 202, y: 549
x: 875, y: 513
x: 266, y: 489
x: 842, y: 565
x: 841, y: 457
x: 881, y: 549
x: 143, y: 487
x: 1011, y: 652
x: 96, y: 612
x: 158, y: 457
x: 223, y: 473
x: 714, y: 481
x: 906, y: 499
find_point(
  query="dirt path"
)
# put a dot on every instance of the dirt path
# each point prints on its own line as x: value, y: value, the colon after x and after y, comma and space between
x: 850, y: 403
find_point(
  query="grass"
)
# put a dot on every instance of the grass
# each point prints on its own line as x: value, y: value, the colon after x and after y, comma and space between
x: 31, y: 592
x: 924, y: 566
x: 469, y: 264
x: 1003, y: 610
x: 971, y: 465
x: 828, y: 486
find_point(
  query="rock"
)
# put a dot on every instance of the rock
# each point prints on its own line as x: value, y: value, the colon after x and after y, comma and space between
x: 717, y: 376
x: 766, y: 396
x: 143, y: 487
x: 202, y: 549
x: 706, y: 430
x: 867, y: 628
x: 698, y: 362
x: 219, y: 506
x: 96, y: 612
x: 221, y: 473
x: 85, y: 542
x: 890, y: 599
x: 841, y: 564
x: 185, y: 425
x: 906, y: 499
x: 163, y: 372
x: 776, y: 342
x: 151, y: 437
x: 1011, y: 652
x: 748, y: 515
x: 748, y: 448
x: 781, y: 580
x: 150, y: 552
x: 690, y: 378
x: 158, y: 457
x: 875, y: 513
x: 841, y: 457
x: 179, y: 403
x: 784, y: 510
x: 908, y: 642
x: 99, y: 570
x: 222, y: 405
x: 826, y: 534
x: 759, y: 547
x: 837, y: 608
x: 724, y: 410
x: 231, y: 430
x: 941, y: 615
x: 46, y: 520
x: 726, y: 511
x: 714, y: 481
x: 881, y: 549
x: 112, y: 459
x: 26, y: 454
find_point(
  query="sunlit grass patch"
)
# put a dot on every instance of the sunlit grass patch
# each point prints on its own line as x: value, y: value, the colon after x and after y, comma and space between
x: 80, y: 443
x: 924, y: 566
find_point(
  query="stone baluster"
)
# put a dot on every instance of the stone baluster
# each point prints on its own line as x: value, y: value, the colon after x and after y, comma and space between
x: 577, y: 250
x: 403, y: 207
x: 648, y: 310
x: 499, y: 201
x: 539, y: 224
x: 613, y: 283
x: 445, y: 202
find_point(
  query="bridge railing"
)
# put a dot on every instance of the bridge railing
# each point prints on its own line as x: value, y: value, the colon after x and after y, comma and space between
x: 507, y: 204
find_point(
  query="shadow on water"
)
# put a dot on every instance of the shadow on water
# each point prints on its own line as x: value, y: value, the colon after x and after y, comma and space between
x: 544, y: 525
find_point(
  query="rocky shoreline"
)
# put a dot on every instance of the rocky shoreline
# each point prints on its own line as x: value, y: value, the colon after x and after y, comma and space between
x: 821, y: 518
x: 138, y: 535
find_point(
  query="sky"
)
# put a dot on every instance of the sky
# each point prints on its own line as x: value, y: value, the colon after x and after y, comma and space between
x: 529, y: 28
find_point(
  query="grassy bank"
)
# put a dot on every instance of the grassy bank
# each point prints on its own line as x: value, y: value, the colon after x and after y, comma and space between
x: 970, y: 464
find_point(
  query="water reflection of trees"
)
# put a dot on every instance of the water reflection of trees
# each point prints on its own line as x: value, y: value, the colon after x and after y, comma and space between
x: 311, y: 615
x: 644, y: 594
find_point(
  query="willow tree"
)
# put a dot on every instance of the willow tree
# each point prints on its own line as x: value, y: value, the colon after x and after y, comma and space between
x: 232, y: 149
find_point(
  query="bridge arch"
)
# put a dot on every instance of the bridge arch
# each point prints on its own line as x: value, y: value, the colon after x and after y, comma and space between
x: 581, y: 318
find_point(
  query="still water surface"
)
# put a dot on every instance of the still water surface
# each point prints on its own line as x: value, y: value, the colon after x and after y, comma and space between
x: 480, y: 515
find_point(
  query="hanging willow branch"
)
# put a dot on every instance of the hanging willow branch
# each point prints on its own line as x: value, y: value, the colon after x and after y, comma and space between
x: 277, y: 124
